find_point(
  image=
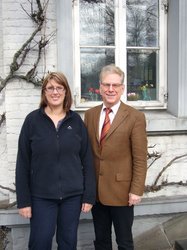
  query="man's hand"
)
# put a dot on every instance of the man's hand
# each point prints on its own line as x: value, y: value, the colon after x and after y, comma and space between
x: 86, y: 207
x: 134, y: 199
x: 25, y: 212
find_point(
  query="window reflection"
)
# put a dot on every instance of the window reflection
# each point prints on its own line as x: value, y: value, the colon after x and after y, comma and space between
x: 142, y: 77
x: 96, y: 22
x: 96, y: 33
x: 92, y: 60
x: 97, y: 46
x: 142, y: 23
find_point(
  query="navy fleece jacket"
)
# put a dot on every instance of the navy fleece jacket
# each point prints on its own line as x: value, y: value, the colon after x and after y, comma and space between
x: 51, y: 163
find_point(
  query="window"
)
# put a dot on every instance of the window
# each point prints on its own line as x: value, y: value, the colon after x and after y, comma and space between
x: 129, y: 33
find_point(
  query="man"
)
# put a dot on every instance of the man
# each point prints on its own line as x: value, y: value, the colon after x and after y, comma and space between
x: 120, y: 158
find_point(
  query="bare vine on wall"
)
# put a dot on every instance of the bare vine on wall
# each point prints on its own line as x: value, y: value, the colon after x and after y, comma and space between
x: 155, y: 186
x: 2, y: 118
x: 38, y: 16
x: 154, y: 156
x: 36, y: 43
x: 149, y: 188
x: 3, y: 237
x: 33, y: 43
x: 7, y: 205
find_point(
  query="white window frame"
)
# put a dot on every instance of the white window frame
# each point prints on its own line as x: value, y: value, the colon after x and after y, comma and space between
x: 120, y: 57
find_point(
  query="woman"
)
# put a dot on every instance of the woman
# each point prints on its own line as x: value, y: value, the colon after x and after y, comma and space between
x: 55, y: 177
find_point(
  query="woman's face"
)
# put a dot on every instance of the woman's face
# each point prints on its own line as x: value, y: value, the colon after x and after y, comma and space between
x: 54, y: 93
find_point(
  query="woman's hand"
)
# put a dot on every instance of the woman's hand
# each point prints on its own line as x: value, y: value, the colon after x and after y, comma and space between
x: 25, y: 212
x: 86, y: 207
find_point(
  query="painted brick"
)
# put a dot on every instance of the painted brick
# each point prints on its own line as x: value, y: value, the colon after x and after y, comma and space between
x: 20, y: 98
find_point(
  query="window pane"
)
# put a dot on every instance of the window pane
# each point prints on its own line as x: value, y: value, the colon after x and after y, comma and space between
x: 142, y: 23
x: 92, y: 60
x: 142, y: 77
x: 96, y: 22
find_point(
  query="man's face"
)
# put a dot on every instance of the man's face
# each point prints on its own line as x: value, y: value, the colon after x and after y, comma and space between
x: 111, y: 89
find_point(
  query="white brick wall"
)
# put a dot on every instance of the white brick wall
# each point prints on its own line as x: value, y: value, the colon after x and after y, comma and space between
x: 3, y: 161
x: 3, y: 149
x: 169, y: 147
x: 17, y: 28
x: 1, y: 40
x: 3, y: 146
x: 21, y: 97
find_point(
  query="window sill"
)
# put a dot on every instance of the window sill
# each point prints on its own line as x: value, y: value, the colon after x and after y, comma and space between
x: 159, y: 122
x: 163, y: 122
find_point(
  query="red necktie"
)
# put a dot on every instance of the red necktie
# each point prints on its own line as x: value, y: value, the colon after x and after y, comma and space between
x: 106, y: 125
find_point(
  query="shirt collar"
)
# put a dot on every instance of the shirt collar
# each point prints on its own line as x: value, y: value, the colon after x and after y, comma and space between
x: 114, y: 108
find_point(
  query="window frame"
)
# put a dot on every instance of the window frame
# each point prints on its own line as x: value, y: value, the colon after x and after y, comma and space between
x: 120, y: 57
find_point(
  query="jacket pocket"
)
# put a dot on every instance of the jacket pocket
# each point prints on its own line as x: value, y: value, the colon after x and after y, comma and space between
x: 122, y: 177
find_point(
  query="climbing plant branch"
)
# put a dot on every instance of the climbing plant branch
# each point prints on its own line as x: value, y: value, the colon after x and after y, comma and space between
x: 8, y: 205
x: 154, y: 156
x: 166, y: 167
x: 38, y: 16
x: 7, y: 188
x: 156, y: 187
x: 149, y: 188
x: 2, y: 119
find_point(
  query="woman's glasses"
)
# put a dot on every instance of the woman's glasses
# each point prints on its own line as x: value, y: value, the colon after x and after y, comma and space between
x: 51, y: 89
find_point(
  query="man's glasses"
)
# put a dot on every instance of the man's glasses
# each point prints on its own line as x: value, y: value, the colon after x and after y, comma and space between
x: 113, y: 85
x: 51, y: 89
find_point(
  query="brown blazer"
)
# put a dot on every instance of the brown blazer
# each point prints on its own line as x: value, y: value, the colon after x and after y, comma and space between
x: 121, y: 165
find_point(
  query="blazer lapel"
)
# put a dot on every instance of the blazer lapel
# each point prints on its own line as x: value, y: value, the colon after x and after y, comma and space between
x: 96, y: 121
x: 118, y: 119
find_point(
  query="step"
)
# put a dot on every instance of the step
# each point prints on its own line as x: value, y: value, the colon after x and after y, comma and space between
x: 181, y: 244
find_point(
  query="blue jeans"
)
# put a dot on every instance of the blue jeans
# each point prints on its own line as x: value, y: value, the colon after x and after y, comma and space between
x: 122, y: 219
x: 51, y: 215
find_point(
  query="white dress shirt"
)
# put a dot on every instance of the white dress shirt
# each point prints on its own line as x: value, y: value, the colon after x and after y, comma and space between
x: 111, y: 115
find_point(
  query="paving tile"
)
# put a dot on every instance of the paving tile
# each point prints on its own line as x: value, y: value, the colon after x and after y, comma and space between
x: 176, y: 227
x: 181, y: 244
x: 156, y: 232
x: 154, y: 239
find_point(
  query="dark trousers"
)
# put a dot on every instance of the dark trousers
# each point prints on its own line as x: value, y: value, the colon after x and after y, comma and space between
x: 122, y: 219
x: 49, y: 216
